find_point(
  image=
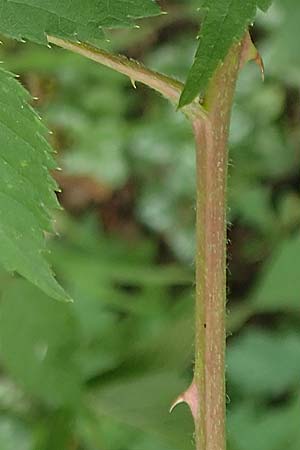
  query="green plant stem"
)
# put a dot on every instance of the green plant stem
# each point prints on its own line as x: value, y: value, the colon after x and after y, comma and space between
x: 211, y: 129
x: 211, y: 137
x: 170, y: 88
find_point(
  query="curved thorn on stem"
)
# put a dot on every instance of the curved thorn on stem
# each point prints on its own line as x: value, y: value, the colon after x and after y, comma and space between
x: 250, y: 53
x: 190, y: 397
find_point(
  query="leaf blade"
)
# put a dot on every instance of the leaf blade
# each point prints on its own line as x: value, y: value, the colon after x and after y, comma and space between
x: 74, y: 20
x: 224, y: 23
x: 27, y: 191
x: 99, y: 11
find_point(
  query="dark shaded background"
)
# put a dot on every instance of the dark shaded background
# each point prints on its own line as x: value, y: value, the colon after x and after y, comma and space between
x: 100, y: 374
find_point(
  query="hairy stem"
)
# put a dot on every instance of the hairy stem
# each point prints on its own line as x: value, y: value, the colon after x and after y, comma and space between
x: 211, y: 137
x: 206, y: 395
x: 165, y: 85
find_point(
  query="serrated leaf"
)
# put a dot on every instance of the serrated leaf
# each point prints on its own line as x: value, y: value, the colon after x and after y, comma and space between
x: 101, y: 12
x: 21, y: 21
x: 38, y: 341
x: 26, y: 188
x: 224, y: 22
x: 72, y: 19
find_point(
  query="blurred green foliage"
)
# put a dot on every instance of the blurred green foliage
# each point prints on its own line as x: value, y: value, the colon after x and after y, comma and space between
x: 100, y: 374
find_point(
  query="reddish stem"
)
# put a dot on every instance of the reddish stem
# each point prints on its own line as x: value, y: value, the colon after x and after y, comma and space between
x: 211, y: 137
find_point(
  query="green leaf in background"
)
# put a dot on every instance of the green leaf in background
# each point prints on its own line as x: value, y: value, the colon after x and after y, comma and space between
x: 252, y: 428
x: 101, y: 142
x: 75, y: 20
x: 224, y: 22
x: 38, y: 340
x: 284, y: 51
x: 265, y: 364
x: 13, y: 434
x: 264, y: 4
x: 143, y: 402
x: 26, y: 188
x: 279, y: 288
x: 110, y: 260
x: 55, y: 432
x: 109, y: 433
